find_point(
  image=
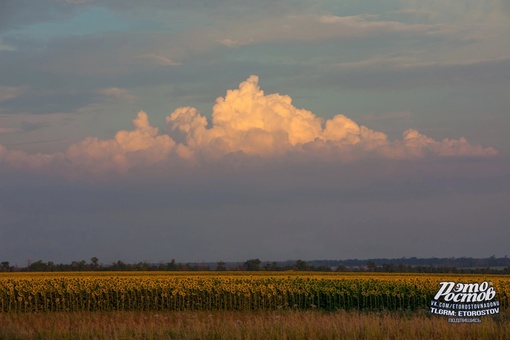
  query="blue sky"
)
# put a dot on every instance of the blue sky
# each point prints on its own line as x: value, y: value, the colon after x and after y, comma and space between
x: 324, y: 129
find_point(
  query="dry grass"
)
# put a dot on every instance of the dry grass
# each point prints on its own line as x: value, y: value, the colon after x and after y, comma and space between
x: 265, y: 325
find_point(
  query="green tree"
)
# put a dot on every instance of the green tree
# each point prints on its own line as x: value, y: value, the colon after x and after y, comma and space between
x: 79, y: 265
x: 94, y: 263
x: 302, y: 265
x: 341, y: 269
x: 172, y: 265
x: 252, y: 265
x: 5, y: 267
x: 38, y: 266
x: 273, y: 266
x: 371, y: 266
x: 220, y: 266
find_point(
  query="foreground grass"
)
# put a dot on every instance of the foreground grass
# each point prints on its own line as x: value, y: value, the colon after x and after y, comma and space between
x: 284, y: 324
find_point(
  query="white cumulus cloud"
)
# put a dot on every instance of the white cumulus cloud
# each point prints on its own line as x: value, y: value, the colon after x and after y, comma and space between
x: 249, y: 121
x: 246, y: 121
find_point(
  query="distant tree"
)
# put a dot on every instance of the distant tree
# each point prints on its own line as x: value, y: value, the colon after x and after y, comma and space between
x: 119, y: 265
x: 172, y: 265
x: 220, y: 266
x: 5, y: 267
x: 371, y: 266
x: 94, y: 263
x: 341, y: 269
x: 38, y: 266
x: 273, y: 266
x: 79, y: 265
x: 141, y: 266
x: 322, y: 268
x: 388, y: 267
x: 404, y: 268
x: 302, y: 265
x: 252, y: 265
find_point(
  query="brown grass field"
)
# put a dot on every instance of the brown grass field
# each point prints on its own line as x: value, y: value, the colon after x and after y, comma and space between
x: 264, y: 325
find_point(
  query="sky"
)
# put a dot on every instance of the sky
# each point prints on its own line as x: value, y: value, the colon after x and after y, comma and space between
x: 227, y: 130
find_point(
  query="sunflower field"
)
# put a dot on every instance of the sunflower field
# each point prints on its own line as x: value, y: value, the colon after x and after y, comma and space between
x: 47, y: 292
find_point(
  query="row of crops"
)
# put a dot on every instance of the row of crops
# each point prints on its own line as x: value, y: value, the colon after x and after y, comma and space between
x: 42, y: 293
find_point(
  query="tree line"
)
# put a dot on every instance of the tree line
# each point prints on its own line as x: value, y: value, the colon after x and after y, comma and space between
x: 462, y: 265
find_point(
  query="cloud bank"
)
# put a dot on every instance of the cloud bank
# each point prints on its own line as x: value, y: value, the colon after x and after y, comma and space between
x: 246, y: 121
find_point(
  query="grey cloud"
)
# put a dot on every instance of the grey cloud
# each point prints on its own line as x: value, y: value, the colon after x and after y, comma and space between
x: 28, y: 126
x: 17, y: 14
x: 36, y: 102
x: 54, y: 100
x: 492, y: 73
x: 84, y: 59
x: 65, y: 75
x: 220, y: 7
x: 234, y: 211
